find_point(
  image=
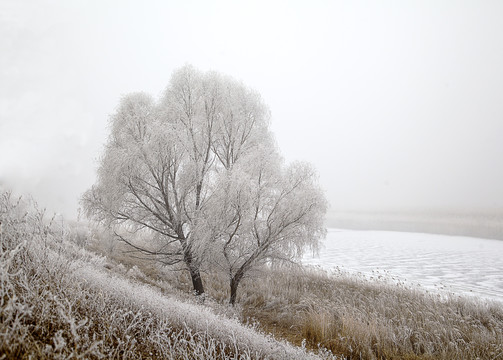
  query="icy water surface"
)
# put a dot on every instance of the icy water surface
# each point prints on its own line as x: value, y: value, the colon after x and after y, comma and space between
x: 458, y: 264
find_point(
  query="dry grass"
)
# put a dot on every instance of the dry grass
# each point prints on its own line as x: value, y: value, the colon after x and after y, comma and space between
x: 353, y: 316
x: 372, y: 319
x: 360, y: 318
x: 58, y: 301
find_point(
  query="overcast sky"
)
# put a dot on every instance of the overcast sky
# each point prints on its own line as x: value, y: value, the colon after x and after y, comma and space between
x: 399, y: 104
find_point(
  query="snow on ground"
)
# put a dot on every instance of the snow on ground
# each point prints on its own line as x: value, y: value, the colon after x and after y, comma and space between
x: 458, y: 264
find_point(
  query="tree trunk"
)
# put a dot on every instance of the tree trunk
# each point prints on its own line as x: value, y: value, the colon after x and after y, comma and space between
x: 195, y: 275
x: 234, y: 287
x: 197, y: 283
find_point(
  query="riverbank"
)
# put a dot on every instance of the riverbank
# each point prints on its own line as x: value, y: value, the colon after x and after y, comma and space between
x: 61, y: 299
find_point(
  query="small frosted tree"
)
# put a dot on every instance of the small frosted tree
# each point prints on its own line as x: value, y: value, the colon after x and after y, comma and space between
x: 266, y: 212
x: 162, y: 158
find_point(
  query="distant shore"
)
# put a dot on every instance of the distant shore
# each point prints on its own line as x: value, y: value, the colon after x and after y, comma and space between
x: 488, y: 225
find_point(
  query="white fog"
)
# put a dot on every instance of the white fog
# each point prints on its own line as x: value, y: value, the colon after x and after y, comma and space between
x: 396, y: 104
x: 168, y: 167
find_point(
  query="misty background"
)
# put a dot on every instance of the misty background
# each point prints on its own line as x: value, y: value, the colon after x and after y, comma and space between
x: 398, y: 104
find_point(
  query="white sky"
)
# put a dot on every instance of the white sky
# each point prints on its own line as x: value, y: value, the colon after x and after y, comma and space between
x: 399, y: 104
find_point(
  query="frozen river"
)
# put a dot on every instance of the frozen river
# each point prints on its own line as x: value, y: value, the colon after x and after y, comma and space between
x: 458, y: 264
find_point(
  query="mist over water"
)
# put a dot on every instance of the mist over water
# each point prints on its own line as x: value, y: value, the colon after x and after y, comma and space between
x: 478, y: 224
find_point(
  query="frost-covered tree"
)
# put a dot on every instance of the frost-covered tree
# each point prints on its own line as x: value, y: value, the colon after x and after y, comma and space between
x: 266, y: 212
x: 162, y: 159
x: 195, y: 178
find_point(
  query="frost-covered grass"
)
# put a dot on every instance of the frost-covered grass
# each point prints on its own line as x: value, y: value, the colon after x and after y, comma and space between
x: 59, y: 301
x: 354, y: 315
x: 373, y: 319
